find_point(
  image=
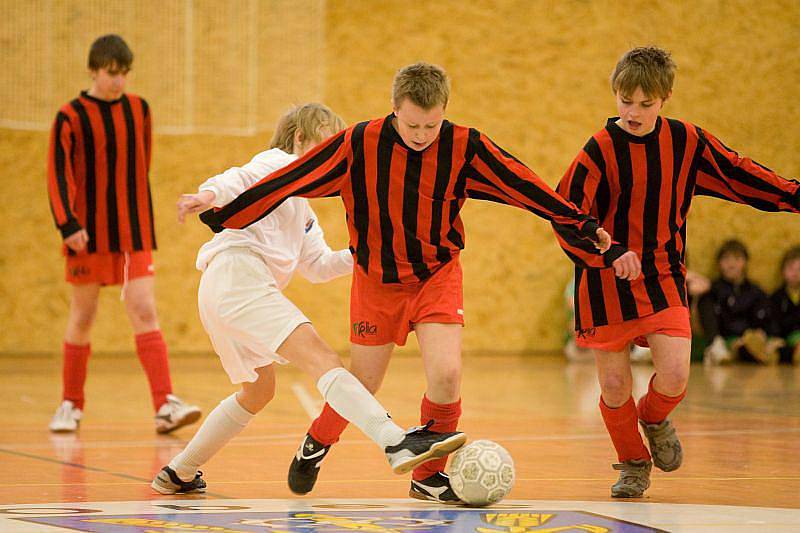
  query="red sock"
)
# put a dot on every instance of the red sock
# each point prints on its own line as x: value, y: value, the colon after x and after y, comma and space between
x: 152, y: 352
x: 445, y: 419
x: 621, y: 423
x: 76, y: 359
x: 328, y: 426
x: 654, y: 407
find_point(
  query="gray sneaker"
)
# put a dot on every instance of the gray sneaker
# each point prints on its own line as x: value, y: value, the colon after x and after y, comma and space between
x: 664, y: 445
x: 634, y: 479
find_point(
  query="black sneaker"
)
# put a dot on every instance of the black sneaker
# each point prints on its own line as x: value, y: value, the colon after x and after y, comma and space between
x: 436, y: 489
x: 305, y: 466
x: 421, y: 445
x: 168, y: 482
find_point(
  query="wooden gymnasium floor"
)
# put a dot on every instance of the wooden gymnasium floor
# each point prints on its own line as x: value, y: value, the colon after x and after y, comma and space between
x: 740, y: 428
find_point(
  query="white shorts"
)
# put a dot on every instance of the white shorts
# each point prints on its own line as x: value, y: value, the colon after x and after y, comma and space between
x: 245, y: 314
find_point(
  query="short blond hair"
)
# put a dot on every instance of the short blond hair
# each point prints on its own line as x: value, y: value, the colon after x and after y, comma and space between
x: 310, y: 120
x: 424, y: 84
x: 648, y: 67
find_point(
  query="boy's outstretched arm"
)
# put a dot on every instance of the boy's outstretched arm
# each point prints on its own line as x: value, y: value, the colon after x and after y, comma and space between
x: 319, y: 173
x: 723, y: 173
x: 499, y: 177
x: 579, y: 185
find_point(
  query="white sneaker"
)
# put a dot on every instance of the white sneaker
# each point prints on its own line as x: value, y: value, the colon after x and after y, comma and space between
x: 717, y: 353
x: 640, y: 354
x: 66, y: 419
x: 175, y: 414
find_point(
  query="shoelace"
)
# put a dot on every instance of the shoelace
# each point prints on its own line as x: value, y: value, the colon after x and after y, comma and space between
x: 414, y: 429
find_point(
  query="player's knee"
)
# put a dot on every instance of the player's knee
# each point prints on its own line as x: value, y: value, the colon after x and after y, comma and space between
x: 82, y: 320
x: 615, y: 387
x: 674, y: 381
x: 144, y: 313
x: 447, y: 383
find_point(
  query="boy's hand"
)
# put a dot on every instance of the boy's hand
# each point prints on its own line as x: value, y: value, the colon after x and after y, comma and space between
x: 194, y: 203
x: 77, y: 241
x: 627, y: 266
x: 603, y: 240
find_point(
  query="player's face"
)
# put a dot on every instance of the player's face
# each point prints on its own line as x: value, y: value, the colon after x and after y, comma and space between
x: 108, y: 83
x: 418, y: 127
x: 791, y: 273
x: 638, y: 112
x: 732, y: 267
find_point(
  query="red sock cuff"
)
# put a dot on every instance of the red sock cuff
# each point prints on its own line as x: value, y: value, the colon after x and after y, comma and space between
x: 618, y: 416
x: 654, y: 407
x: 77, y: 349
x: 149, y: 337
x: 664, y: 397
x: 328, y: 426
x: 440, y: 411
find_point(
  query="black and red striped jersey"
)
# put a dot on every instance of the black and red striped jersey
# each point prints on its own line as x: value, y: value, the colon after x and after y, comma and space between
x: 98, y: 173
x: 403, y: 205
x: 640, y: 189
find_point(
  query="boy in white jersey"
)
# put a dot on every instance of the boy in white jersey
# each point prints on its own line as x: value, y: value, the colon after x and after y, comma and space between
x: 252, y: 325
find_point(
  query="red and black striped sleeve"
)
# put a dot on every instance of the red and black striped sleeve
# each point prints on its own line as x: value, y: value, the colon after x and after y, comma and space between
x: 498, y: 176
x: 579, y: 185
x: 319, y: 173
x: 61, y: 177
x: 723, y: 173
x: 148, y: 133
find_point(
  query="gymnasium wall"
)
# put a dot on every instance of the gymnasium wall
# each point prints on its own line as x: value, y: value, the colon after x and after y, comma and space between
x: 532, y: 74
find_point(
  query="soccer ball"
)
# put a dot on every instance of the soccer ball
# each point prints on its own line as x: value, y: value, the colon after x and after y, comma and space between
x: 481, y: 473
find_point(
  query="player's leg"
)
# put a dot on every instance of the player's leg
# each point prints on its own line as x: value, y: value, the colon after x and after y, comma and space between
x: 348, y: 397
x: 621, y: 420
x: 671, y: 359
x: 224, y: 422
x: 440, y: 345
x: 368, y: 364
x: 140, y: 305
x: 76, y: 351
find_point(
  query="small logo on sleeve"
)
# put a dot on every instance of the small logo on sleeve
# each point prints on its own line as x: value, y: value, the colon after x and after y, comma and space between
x: 364, y: 329
x: 586, y: 333
x: 309, y: 224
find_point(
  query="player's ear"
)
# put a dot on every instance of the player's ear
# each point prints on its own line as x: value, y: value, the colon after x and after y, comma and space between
x: 664, y: 100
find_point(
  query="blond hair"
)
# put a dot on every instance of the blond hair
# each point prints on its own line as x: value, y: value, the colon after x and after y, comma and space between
x: 313, y: 121
x: 424, y: 84
x: 648, y: 67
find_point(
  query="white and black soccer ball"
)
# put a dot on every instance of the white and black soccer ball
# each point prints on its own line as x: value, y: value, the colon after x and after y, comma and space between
x: 481, y: 473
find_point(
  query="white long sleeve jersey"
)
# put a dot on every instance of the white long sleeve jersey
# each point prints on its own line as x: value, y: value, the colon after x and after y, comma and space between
x: 288, y: 239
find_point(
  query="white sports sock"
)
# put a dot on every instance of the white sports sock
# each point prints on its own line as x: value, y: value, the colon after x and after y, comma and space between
x: 352, y: 400
x: 221, y: 425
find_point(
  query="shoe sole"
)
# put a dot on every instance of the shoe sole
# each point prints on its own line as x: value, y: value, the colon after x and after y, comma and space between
x: 620, y: 495
x: 169, y: 492
x: 418, y: 496
x: 440, y: 449
x: 190, y: 418
x: 62, y: 430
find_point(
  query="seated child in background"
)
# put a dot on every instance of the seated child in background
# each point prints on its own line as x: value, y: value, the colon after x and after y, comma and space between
x: 735, y: 312
x: 786, y: 308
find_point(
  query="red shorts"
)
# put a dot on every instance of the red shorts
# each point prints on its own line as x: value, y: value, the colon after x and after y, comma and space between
x: 672, y: 321
x: 381, y: 313
x: 109, y: 269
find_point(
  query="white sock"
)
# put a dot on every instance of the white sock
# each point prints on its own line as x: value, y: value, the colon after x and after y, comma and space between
x: 352, y: 401
x: 221, y: 425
